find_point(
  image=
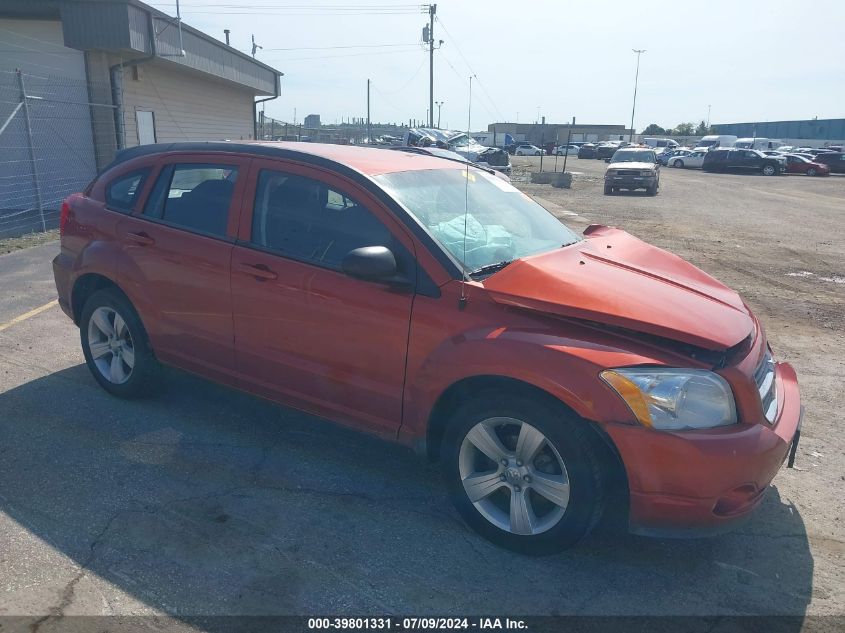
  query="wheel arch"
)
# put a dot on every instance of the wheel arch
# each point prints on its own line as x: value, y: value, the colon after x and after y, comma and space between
x: 472, y: 386
x: 85, y: 286
x: 616, y: 479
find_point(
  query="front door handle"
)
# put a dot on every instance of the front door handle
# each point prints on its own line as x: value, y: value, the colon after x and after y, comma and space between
x: 259, y: 271
x: 142, y: 239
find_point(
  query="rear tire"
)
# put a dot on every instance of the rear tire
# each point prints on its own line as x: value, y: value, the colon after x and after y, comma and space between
x: 549, y: 494
x: 115, y: 345
x: 769, y: 170
x: 678, y: 163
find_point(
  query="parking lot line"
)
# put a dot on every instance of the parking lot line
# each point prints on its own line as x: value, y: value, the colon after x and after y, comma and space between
x: 27, y: 315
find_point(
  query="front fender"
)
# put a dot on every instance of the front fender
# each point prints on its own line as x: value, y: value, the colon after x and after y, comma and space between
x: 564, y: 365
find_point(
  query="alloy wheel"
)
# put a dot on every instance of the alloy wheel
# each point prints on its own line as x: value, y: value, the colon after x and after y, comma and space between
x: 514, y: 476
x: 111, y: 346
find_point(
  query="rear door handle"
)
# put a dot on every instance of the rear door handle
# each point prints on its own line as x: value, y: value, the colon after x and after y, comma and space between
x: 142, y: 239
x: 259, y: 271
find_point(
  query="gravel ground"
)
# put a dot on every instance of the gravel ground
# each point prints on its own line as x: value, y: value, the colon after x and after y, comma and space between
x: 780, y: 242
x: 207, y: 501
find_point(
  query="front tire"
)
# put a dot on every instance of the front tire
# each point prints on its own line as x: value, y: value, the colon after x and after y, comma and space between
x: 811, y: 171
x: 608, y: 190
x: 115, y: 345
x: 523, y: 473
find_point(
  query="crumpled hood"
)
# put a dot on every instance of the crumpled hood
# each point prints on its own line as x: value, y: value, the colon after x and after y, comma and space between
x: 614, y: 278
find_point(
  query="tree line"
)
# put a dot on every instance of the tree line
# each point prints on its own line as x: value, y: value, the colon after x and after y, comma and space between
x: 682, y: 129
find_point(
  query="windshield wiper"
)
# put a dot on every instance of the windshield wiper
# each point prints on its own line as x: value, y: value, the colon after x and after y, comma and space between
x: 489, y: 269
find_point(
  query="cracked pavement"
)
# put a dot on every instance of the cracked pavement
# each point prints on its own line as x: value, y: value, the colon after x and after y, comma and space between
x: 206, y: 501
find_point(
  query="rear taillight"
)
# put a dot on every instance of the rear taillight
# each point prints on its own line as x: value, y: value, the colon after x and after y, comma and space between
x: 63, y: 217
x: 67, y: 207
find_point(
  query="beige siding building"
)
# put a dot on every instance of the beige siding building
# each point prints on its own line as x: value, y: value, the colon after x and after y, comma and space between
x: 163, y: 104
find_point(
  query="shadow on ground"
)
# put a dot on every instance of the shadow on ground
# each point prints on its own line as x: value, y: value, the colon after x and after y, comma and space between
x: 207, y: 501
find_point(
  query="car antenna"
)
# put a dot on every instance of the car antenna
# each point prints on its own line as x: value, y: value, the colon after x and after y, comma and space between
x: 462, y: 302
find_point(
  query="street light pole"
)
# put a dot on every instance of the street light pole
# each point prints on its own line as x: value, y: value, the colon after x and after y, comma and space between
x: 639, y: 52
x: 439, y: 105
x: 708, y: 116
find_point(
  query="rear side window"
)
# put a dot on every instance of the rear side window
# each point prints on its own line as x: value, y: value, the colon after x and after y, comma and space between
x: 122, y: 192
x: 198, y: 197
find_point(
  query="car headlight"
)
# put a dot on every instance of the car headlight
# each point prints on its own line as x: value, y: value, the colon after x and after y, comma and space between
x: 647, y: 172
x: 610, y: 172
x: 674, y: 399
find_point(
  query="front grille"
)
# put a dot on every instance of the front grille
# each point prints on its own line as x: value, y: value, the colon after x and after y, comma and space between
x: 764, y: 377
x: 628, y: 172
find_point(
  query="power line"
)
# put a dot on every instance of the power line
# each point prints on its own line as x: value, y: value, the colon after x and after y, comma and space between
x: 454, y: 40
x: 322, y: 48
x: 407, y: 83
x: 252, y: 9
x: 294, y: 59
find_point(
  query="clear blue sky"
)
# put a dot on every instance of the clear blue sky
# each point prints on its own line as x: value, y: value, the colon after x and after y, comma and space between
x: 751, y: 61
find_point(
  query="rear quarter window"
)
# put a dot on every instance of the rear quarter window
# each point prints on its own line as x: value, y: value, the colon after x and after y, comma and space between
x: 122, y: 193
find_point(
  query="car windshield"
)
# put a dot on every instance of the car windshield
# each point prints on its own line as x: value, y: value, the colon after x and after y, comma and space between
x: 479, y: 218
x: 633, y: 156
x: 708, y: 143
x: 461, y: 140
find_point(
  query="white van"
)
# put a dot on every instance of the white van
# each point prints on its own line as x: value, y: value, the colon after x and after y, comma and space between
x: 713, y: 141
x: 660, y: 143
x: 758, y: 143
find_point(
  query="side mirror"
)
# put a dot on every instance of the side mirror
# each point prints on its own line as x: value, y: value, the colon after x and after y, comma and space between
x: 607, y: 160
x: 372, y: 263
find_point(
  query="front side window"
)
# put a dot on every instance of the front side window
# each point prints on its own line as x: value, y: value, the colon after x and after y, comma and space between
x: 306, y: 219
x: 479, y: 218
x: 199, y: 196
x: 122, y: 193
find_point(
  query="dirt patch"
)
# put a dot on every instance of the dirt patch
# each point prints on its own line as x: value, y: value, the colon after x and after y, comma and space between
x: 11, y: 244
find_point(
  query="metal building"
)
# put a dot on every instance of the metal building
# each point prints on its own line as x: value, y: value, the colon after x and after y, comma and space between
x: 80, y: 79
x: 820, y: 130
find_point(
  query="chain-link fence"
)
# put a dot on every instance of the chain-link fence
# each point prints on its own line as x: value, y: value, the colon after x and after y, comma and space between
x: 48, y: 145
x: 351, y: 133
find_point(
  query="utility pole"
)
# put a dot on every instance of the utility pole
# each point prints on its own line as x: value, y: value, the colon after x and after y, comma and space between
x: 369, y: 130
x: 636, y: 79
x: 432, y: 10
x: 439, y: 105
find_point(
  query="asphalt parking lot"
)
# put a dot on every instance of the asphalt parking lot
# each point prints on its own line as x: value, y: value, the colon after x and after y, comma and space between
x: 205, y: 501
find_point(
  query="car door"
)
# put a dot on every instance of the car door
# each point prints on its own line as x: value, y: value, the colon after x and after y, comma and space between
x: 178, y: 253
x: 742, y: 160
x: 305, y: 332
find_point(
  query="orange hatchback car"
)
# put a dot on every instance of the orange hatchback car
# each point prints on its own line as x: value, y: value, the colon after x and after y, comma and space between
x: 433, y: 304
